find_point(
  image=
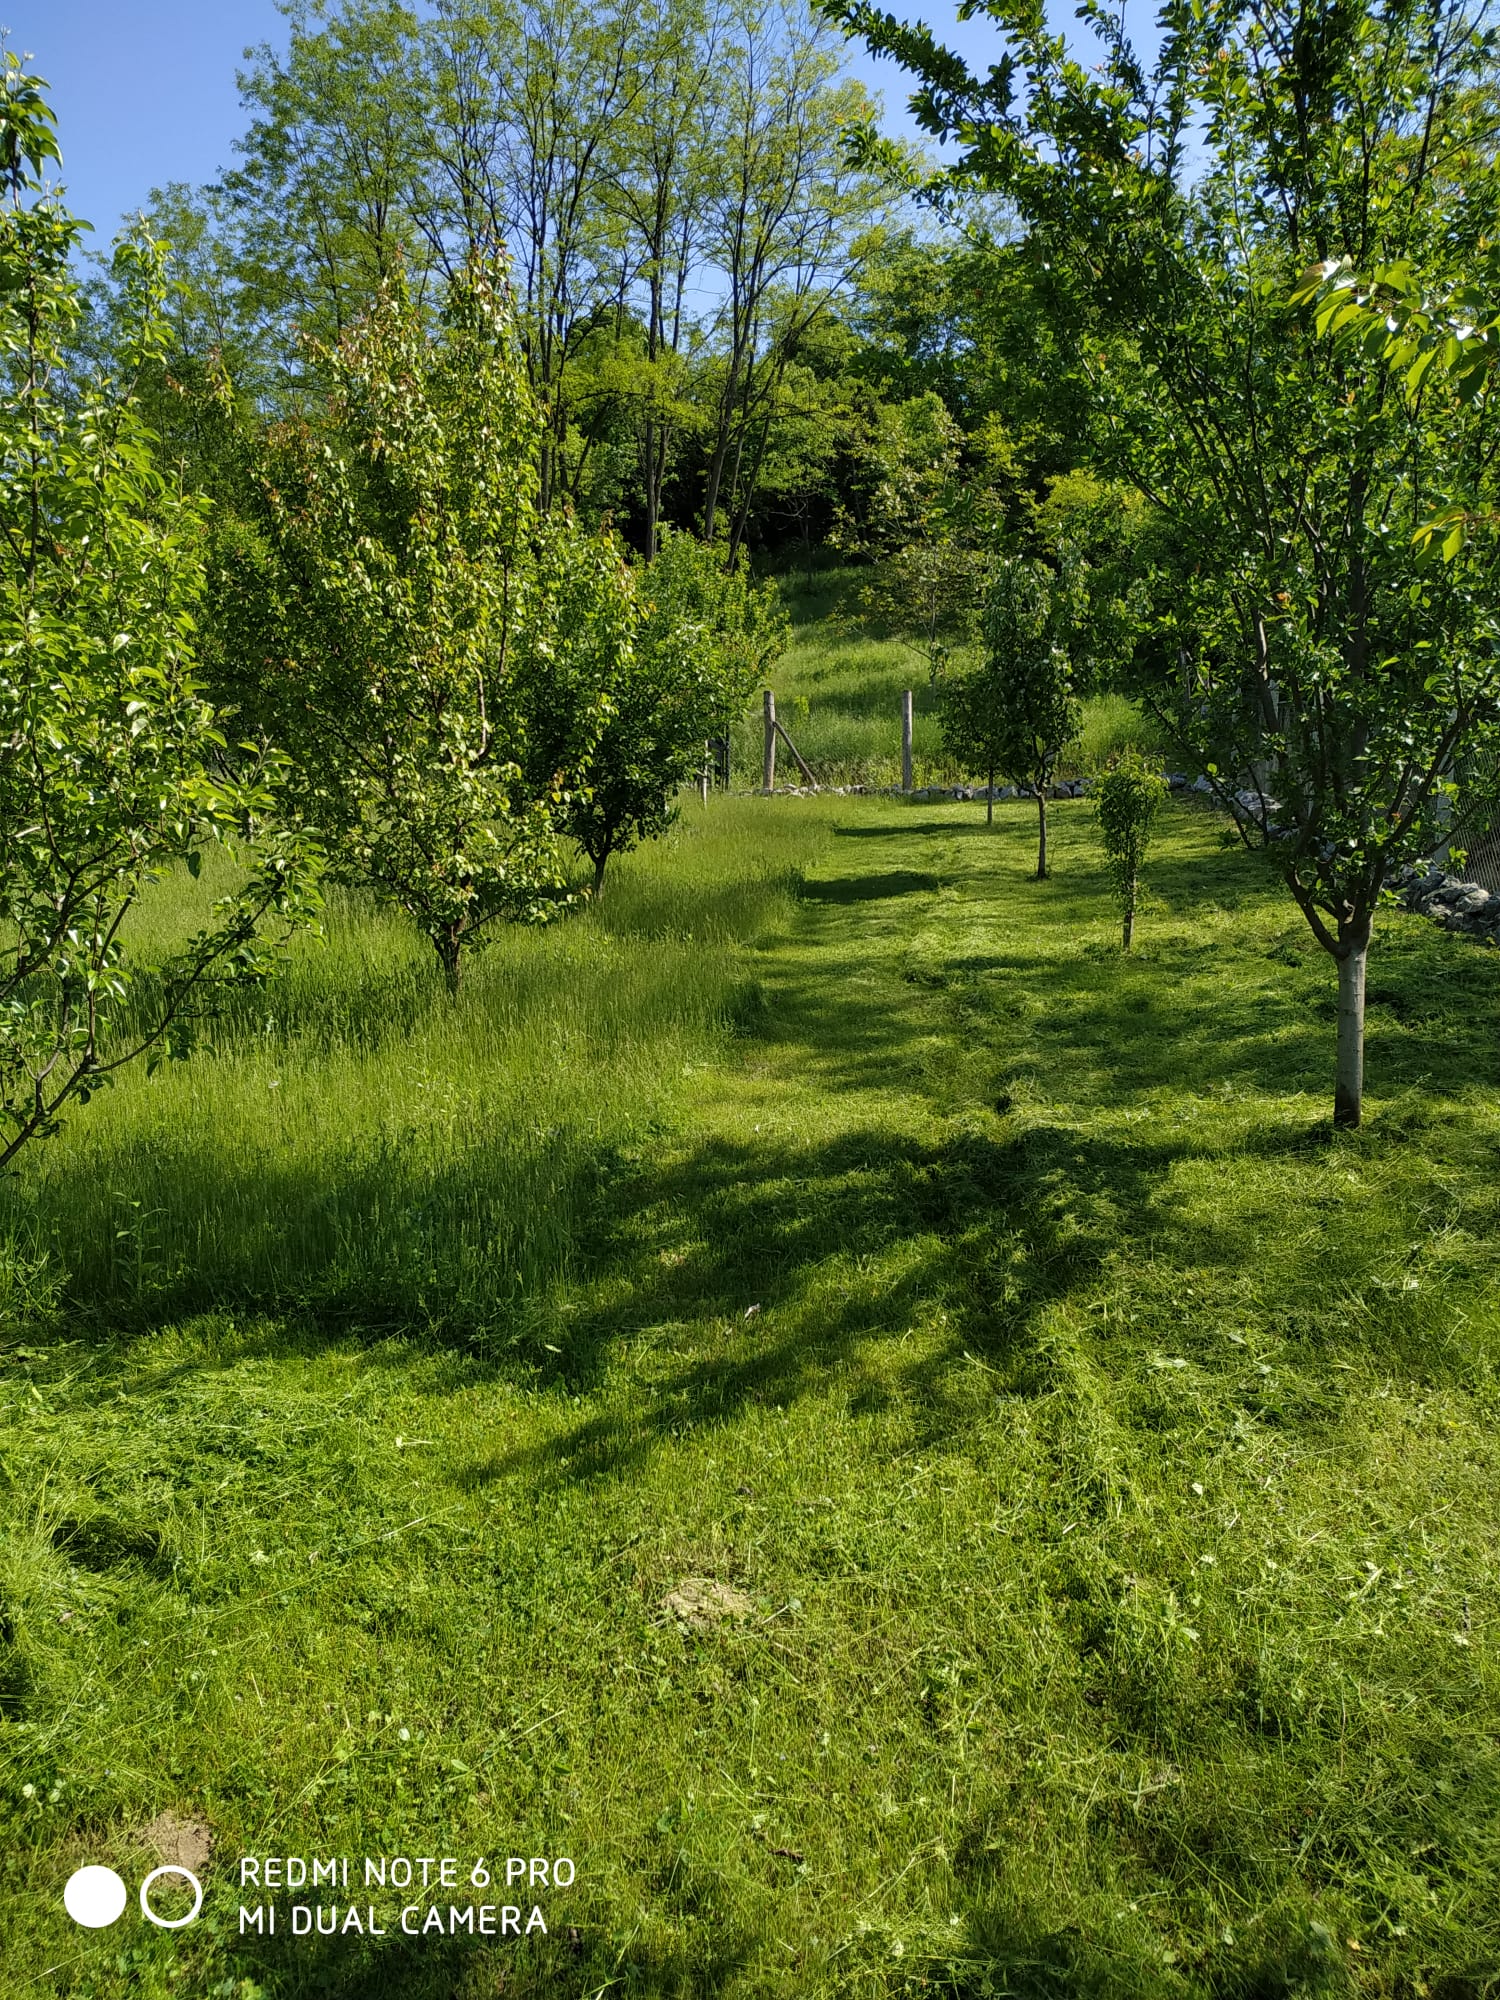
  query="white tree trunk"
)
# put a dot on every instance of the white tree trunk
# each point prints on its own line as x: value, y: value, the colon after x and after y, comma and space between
x: 1349, y: 1089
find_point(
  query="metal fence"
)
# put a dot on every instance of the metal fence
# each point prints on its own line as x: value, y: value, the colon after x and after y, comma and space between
x: 1482, y: 845
x: 1477, y: 835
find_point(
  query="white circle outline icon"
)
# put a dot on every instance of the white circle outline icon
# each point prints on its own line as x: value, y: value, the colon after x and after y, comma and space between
x: 95, y: 1897
x: 171, y: 1923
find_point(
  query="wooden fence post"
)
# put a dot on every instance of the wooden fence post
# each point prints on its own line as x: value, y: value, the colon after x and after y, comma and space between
x: 906, y: 741
x: 770, y: 766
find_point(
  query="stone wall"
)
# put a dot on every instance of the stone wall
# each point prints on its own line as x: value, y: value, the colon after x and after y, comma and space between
x: 1457, y: 904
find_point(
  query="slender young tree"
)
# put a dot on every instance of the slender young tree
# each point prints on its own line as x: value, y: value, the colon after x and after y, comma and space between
x: 1016, y: 712
x: 1127, y: 800
x: 393, y: 608
x: 973, y: 726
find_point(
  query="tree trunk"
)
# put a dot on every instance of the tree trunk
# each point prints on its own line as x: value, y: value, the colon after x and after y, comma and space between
x: 1041, y: 843
x: 1349, y: 1089
x: 720, y: 452
x: 653, y: 489
x: 1129, y: 918
x: 450, y: 958
x: 989, y: 804
x: 600, y: 862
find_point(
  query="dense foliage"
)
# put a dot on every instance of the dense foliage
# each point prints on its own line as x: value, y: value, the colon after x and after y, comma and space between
x: 1127, y: 799
x: 436, y: 655
x: 706, y: 639
x: 1212, y: 323
x: 113, y: 766
x: 1301, y: 651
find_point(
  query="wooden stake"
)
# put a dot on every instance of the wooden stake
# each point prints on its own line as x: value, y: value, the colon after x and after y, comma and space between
x: 770, y: 767
x: 802, y: 764
x: 906, y: 741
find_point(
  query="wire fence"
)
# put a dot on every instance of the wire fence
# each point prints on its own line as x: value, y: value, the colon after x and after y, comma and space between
x: 1482, y: 846
x: 1476, y: 835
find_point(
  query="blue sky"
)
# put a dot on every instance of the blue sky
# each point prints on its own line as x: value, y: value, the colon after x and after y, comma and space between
x: 145, y: 93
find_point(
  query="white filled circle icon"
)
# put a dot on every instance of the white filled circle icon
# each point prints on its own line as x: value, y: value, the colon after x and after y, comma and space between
x: 94, y: 1897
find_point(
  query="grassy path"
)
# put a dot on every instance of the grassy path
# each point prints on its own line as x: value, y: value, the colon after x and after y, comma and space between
x: 964, y: 1489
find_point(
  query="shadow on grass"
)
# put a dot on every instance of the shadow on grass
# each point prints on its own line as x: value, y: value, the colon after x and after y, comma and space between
x: 564, y: 1966
x: 794, y: 1266
x: 1013, y: 1956
x: 870, y: 888
x: 845, y: 1241
x: 905, y: 829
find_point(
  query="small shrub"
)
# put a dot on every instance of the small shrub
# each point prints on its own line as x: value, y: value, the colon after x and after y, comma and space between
x: 1126, y: 802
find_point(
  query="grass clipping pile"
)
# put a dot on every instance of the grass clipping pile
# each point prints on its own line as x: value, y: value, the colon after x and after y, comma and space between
x: 700, y: 1604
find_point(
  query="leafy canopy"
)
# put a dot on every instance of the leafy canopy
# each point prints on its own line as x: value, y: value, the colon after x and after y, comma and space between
x: 707, y: 637
x: 113, y: 765
x: 392, y: 606
x: 1291, y: 638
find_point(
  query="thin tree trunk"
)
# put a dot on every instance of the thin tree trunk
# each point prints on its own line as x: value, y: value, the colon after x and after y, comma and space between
x: 720, y: 452
x: 600, y: 863
x: 451, y: 959
x: 653, y: 489
x: 1130, y: 918
x: 1041, y: 844
x: 989, y: 804
x: 1349, y: 1089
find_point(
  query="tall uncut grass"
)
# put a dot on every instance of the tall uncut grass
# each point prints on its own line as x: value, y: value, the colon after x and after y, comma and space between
x: 349, y: 1139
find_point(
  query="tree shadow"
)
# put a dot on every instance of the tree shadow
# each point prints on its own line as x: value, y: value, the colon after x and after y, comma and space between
x: 960, y: 829
x: 1009, y: 1953
x: 569, y: 1964
x: 869, y: 888
x: 990, y: 1036
x: 821, y: 1257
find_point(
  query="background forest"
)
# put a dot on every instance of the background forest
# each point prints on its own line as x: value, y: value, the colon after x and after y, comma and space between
x: 732, y: 326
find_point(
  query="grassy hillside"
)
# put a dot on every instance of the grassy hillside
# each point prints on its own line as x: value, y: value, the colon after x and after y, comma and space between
x: 891, y: 1436
x: 838, y: 692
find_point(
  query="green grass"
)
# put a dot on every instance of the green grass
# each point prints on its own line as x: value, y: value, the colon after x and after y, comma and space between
x: 1107, y: 1453
x: 838, y: 693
